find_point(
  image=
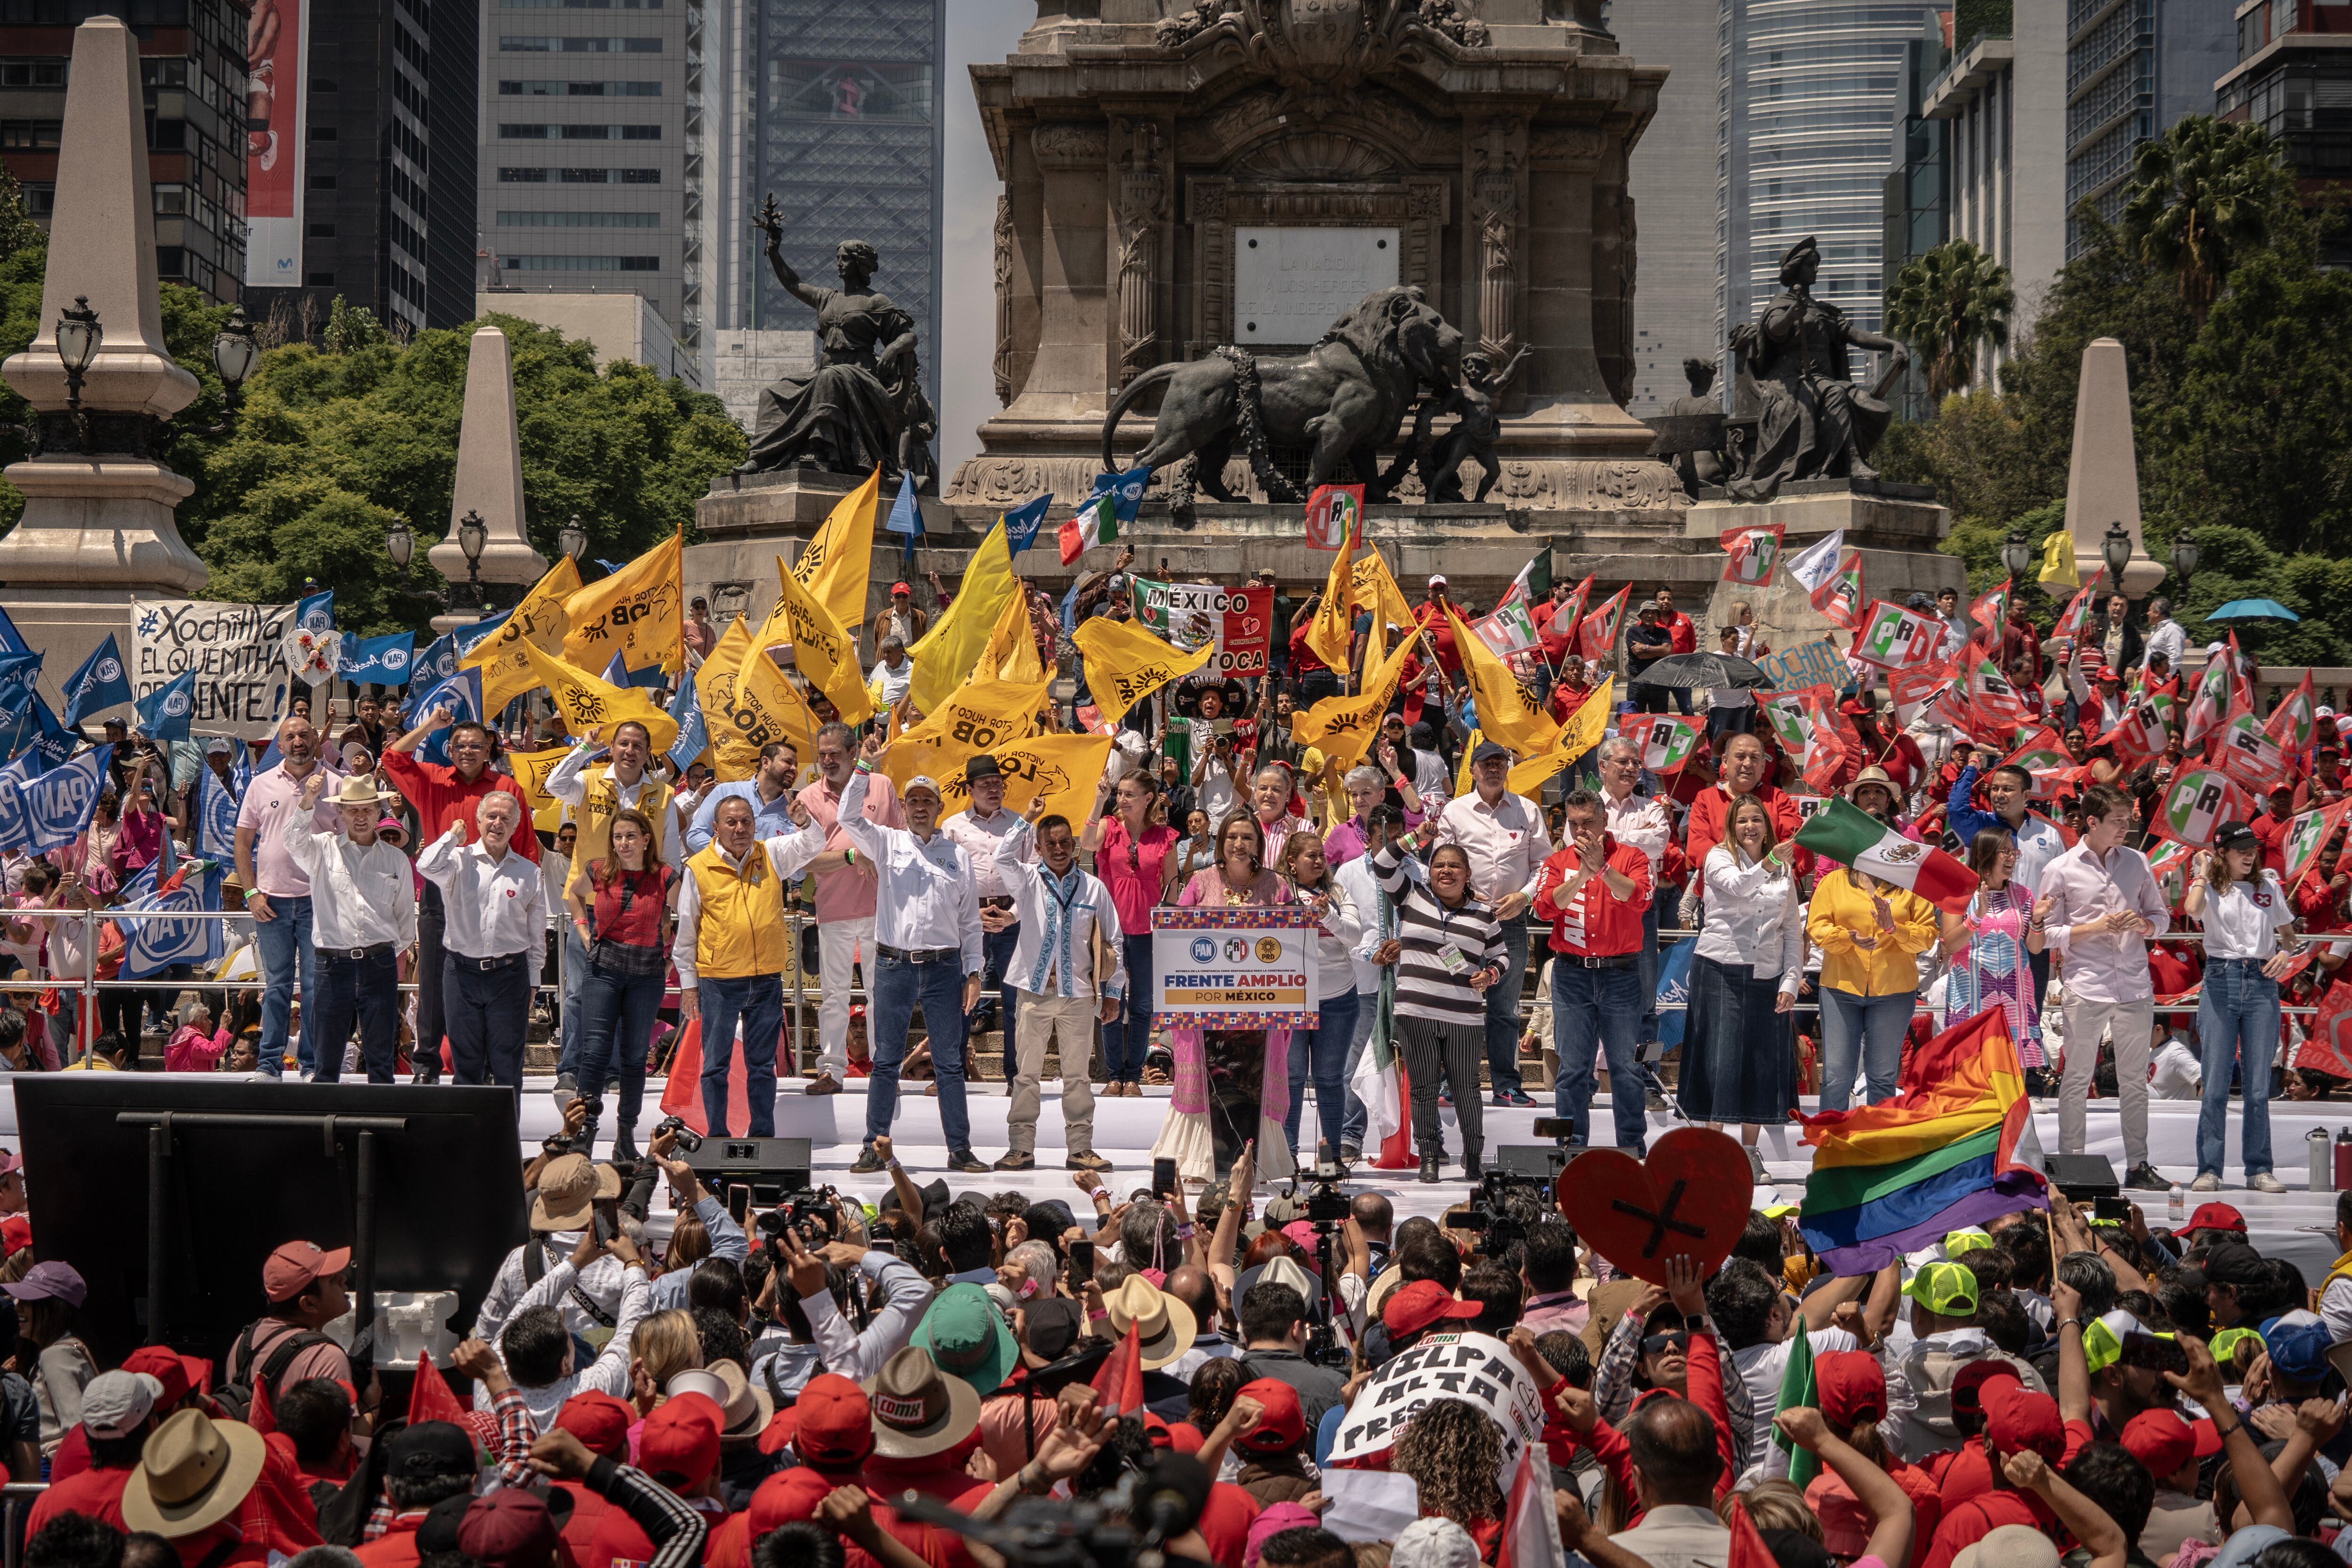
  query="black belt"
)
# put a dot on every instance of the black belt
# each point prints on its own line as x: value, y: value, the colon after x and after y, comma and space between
x: 354, y: 954
x: 1609, y: 961
x: 483, y: 965
x: 919, y: 954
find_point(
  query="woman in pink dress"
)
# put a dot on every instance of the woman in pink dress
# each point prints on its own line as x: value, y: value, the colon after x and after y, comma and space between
x: 1232, y: 1085
x: 1136, y: 860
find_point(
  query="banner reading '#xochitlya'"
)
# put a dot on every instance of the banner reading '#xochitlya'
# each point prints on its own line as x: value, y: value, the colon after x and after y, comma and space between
x: 238, y: 652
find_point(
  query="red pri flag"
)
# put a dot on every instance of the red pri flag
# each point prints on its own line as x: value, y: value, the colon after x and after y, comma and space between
x: 1991, y: 613
x: 1667, y: 740
x: 1994, y: 699
x: 1530, y: 1528
x: 2246, y: 753
x: 2329, y: 1047
x: 2208, y: 707
x: 1832, y: 738
x: 2195, y: 803
x: 2138, y: 735
x: 429, y: 1398
x: 2306, y: 835
x: 1119, y: 1382
x: 1333, y: 512
x: 2292, y: 722
x: 2077, y: 613
x: 1913, y: 689
x: 1752, y: 553
x: 1892, y: 637
x: 1596, y: 635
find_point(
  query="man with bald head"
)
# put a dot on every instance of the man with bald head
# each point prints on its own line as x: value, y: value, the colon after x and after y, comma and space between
x: 1197, y: 1290
x: 276, y: 888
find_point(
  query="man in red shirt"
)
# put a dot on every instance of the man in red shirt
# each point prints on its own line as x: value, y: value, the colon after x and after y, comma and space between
x: 118, y: 1412
x: 599, y: 1531
x: 1431, y: 618
x: 424, y: 1465
x: 443, y: 794
x: 1594, y: 890
x: 1315, y: 678
x: 1742, y: 773
x: 2270, y: 829
x: 1684, y: 636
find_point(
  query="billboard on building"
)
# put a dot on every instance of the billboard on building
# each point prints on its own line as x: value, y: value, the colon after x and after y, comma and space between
x: 277, y: 38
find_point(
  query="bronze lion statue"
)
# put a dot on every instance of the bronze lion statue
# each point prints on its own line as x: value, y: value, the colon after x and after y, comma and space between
x: 1342, y: 398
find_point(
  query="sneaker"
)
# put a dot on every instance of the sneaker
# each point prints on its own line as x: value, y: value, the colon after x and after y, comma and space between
x: 1087, y: 1160
x: 822, y: 1083
x: 1350, y: 1153
x: 567, y: 1089
x: 1756, y: 1163
x: 1515, y: 1097
x: 2263, y: 1181
x: 1017, y: 1160
x: 2144, y: 1178
x: 868, y: 1162
x: 2208, y: 1183
x: 965, y: 1160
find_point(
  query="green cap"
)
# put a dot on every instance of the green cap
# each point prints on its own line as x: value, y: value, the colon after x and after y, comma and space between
x: 1969, y: 1238
x: 2103, y: 1339
x: 1948, y: 1288
x: 966, y: 1336
x: 2226, y: 1343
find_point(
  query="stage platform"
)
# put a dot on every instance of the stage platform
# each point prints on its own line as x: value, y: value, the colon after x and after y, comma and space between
x: 2296, y: 1224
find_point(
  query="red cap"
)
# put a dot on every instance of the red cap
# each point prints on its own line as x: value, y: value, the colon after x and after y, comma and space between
x: 2209, y: 1437
x: 292, y: 1267
x: 165, y: 1367
x: 1284, y: 1424
x: 510, y: 1525
x: 1854, y: 708
x: 833, y: 1423
x: 901, y: 588
x: 1413, y: 1307
x: 681, y: 1437
x: 2160, y: 1440
x: 15, y: 1233
x: 1852, y: 1387
x: 2018, y: 1419
x: 1163, y: 1436
x: 599, y: 1420
x: 1976, y: 1380
x: 1185, y: 1438
x: 2214, y: 1216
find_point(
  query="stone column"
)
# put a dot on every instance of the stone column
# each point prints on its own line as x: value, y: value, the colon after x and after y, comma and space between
x: 490, y: 478
x: 97, y: 531
x: 2102, y: 480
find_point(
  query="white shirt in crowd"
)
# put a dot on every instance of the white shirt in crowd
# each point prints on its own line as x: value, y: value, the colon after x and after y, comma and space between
x: 2244, y: 919
x: 1753, y: 917
x: 1645, y: 821
x: 927, y: 899
x: 495, y: 907
x: 1214, y: 793
x: 609, y: 1372
x: 569, y: 783
x: 555, y: 870
x: 1506, y: 842
x: 893, y: 683
x: 2166, y: 639
x: 2176, y: 1073
x: 360, y: 896
x: 786, y: 853
x: 979, y: 840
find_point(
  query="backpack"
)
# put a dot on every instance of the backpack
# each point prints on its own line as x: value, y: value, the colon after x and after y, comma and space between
x: 237, y: 1398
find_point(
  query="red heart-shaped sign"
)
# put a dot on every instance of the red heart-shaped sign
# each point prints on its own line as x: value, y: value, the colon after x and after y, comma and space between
x: 1690, y: 1196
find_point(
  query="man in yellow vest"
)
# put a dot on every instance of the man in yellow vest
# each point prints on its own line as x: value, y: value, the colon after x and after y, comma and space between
x: 593, y: 795
x: 732, y: 945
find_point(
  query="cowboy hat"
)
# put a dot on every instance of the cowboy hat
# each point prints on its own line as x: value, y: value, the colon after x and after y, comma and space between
x: 919, y: 1409
x: 1164, y: 1328
x: 1874, y: 775
x: 195, y: 1473
x: 569, y: 1187
x: 748, y: 1408
x: 356, y: 789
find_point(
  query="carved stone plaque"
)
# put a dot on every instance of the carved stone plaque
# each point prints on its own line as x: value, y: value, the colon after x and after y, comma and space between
x: 1291, y: 284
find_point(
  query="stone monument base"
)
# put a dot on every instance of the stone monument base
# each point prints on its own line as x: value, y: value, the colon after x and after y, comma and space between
x: 66, y: 624
x: 1898, y: 528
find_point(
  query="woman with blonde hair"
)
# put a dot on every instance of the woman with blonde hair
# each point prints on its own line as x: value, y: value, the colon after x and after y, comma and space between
x: 664, y: 1345
x: 1740, y: 1058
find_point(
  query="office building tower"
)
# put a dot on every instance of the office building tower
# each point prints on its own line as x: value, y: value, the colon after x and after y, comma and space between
x: 360, y: 168
x: 192, y: 72
x: 2134, y: 68
x: 1675, y: 281
x: 2293, y: 78
x: 592, y: 154
x: 1805, y: 118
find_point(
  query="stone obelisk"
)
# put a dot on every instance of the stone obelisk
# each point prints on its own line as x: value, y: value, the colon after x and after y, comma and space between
x: 96, y: 530
x: 488, y: 480
x: 2103, y: 478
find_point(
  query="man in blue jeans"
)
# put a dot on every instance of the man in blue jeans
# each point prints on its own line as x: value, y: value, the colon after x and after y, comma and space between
x: 278, y: 890
x: 927, y: 941
x: 1594, y: 891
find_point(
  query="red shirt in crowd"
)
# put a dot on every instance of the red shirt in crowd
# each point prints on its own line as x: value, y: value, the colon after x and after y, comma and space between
x: 441, y: 797
x: 1713, y: 805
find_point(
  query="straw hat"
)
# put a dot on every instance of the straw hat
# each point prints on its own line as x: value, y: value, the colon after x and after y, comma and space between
x: 1164, y: 1328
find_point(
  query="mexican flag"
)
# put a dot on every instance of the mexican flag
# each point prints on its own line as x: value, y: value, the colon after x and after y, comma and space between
x: 1379, y: 1083
x: 1852, y: 837
x: 1667, y: 740
x: 1797, y: 1387
x: 1752, y: 552
x: 1095, y: 523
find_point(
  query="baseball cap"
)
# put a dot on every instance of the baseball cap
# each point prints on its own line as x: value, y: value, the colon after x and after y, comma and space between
x: 15, y: 1233
x: 900, y: 588
x: 2103, y: 1339
x: 50, y: 1281
x: 1437, y: 579
x: 512, y: 1524
x: 2301, y: 1353
x: 290, y: 1270
x: 1490, y: 749
x: 1851, y: 1387
x: 2017, y: 1418
x: 170, y: 1371
x: 431, y: 1449
x: 1283, y: 1427
x: 966, y: 1336
x: 831, y: 1423
x: 601, y: 1421
x: 681, y: 1437
x: 2235, y: 835
x: 1949, y: 1288
x: 1979, y: 1378
x: 1967, y: 1239
x: 2160, y: 1440
x: 2214, y: 1216
x: 1415, y: 1307
x: 923, y: 780
x: 117, y: 1404
x: 2227, y: 1340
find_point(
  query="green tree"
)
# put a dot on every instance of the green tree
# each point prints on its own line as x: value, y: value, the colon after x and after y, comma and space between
x: 2201, y: 195
x: 1946, y: 304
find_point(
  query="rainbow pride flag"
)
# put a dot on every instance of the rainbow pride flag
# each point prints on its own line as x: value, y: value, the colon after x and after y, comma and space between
x: 1954, y: 1147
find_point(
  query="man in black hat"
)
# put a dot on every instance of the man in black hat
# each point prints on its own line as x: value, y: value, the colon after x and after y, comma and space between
x: 977, y: 832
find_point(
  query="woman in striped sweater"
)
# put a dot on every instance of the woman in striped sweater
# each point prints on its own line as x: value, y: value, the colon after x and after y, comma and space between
x: 1448, y: 950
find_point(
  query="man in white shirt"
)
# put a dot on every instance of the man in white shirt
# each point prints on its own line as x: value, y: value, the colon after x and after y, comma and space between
x: 894, y: 674
x: 817, y: 1337
x: 1066, y: 922
x: 2164, y: 635
x: 977, y: 831
x: 496, y: 915
x: 537, y: 1347
x: 362, y: 917
x: 926, y: 935
x: 1505, y: 836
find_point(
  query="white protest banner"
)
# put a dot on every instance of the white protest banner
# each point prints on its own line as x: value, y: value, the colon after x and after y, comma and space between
x: 1477, y: 1369
x: 1239, y: 619
x: 1234, y: 969
x: 241, y: 655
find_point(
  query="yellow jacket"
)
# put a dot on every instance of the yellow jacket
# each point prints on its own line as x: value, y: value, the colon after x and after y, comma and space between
x: 1840, y: 909
x: 740, y: 931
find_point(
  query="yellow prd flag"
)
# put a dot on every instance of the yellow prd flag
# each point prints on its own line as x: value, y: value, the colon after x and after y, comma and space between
x: 1126, y: 664
x: 539, y: 621
x: 833, y: 564
x: 587, y: 704
x: 1371, y: 588
x: 824, y: 650
x: 1012, y: 650
x: 530, y: 771
x: 948, y: 655
x: 1461, y: 783
x: 638, y: 612
x: 1331, y: 630
x: 1504, y: 711
x: 764, y: 706
x: 1343, y: 726
x: 1585, y: 729
x: 2058, y: 568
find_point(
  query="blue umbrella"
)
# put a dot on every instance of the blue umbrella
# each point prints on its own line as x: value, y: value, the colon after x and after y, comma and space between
x: 2252, y: 610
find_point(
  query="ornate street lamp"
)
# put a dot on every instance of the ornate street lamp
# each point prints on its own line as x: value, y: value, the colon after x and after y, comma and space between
x: 79, y: 337
x: 473, y: 538
x: 2016, y: 554
x: 571, y: 539
x: 399, y: 544
x: 235, y: 354
x: 2116, y: 550
x: 2184, y: 556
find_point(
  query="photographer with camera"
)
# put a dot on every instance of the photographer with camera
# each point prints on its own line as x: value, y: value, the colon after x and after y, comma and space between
x: 807, y: 1283
x: 542, y: 1356
x: 566, y: 1191
x: 688, y: 1195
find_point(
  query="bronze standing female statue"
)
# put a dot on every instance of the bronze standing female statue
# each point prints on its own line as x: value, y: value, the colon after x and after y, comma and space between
x: 848, y: 416
x: 1813, y: 421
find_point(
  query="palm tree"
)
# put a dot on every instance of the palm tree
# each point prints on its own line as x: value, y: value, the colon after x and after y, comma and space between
x: 2201, y: 192
x: 1946, y: 303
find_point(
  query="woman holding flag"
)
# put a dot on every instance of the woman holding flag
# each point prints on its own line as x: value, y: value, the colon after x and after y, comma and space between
x: 1740, y: 1061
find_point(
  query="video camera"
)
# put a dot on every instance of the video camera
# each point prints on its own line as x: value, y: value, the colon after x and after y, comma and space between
x: 1498, y: 1230
x: 1123, y: 1528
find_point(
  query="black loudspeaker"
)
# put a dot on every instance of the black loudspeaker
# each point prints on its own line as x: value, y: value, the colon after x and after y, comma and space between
x: 196, y: 1179
x: 771, y: 1167
x: 2082, y: 1177
x: 1542, y: 1161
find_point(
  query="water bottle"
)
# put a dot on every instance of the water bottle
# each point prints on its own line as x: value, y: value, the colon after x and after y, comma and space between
x: 2343, y: 1160
x: 2176, y: 1205
x: 2322, y: 1163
